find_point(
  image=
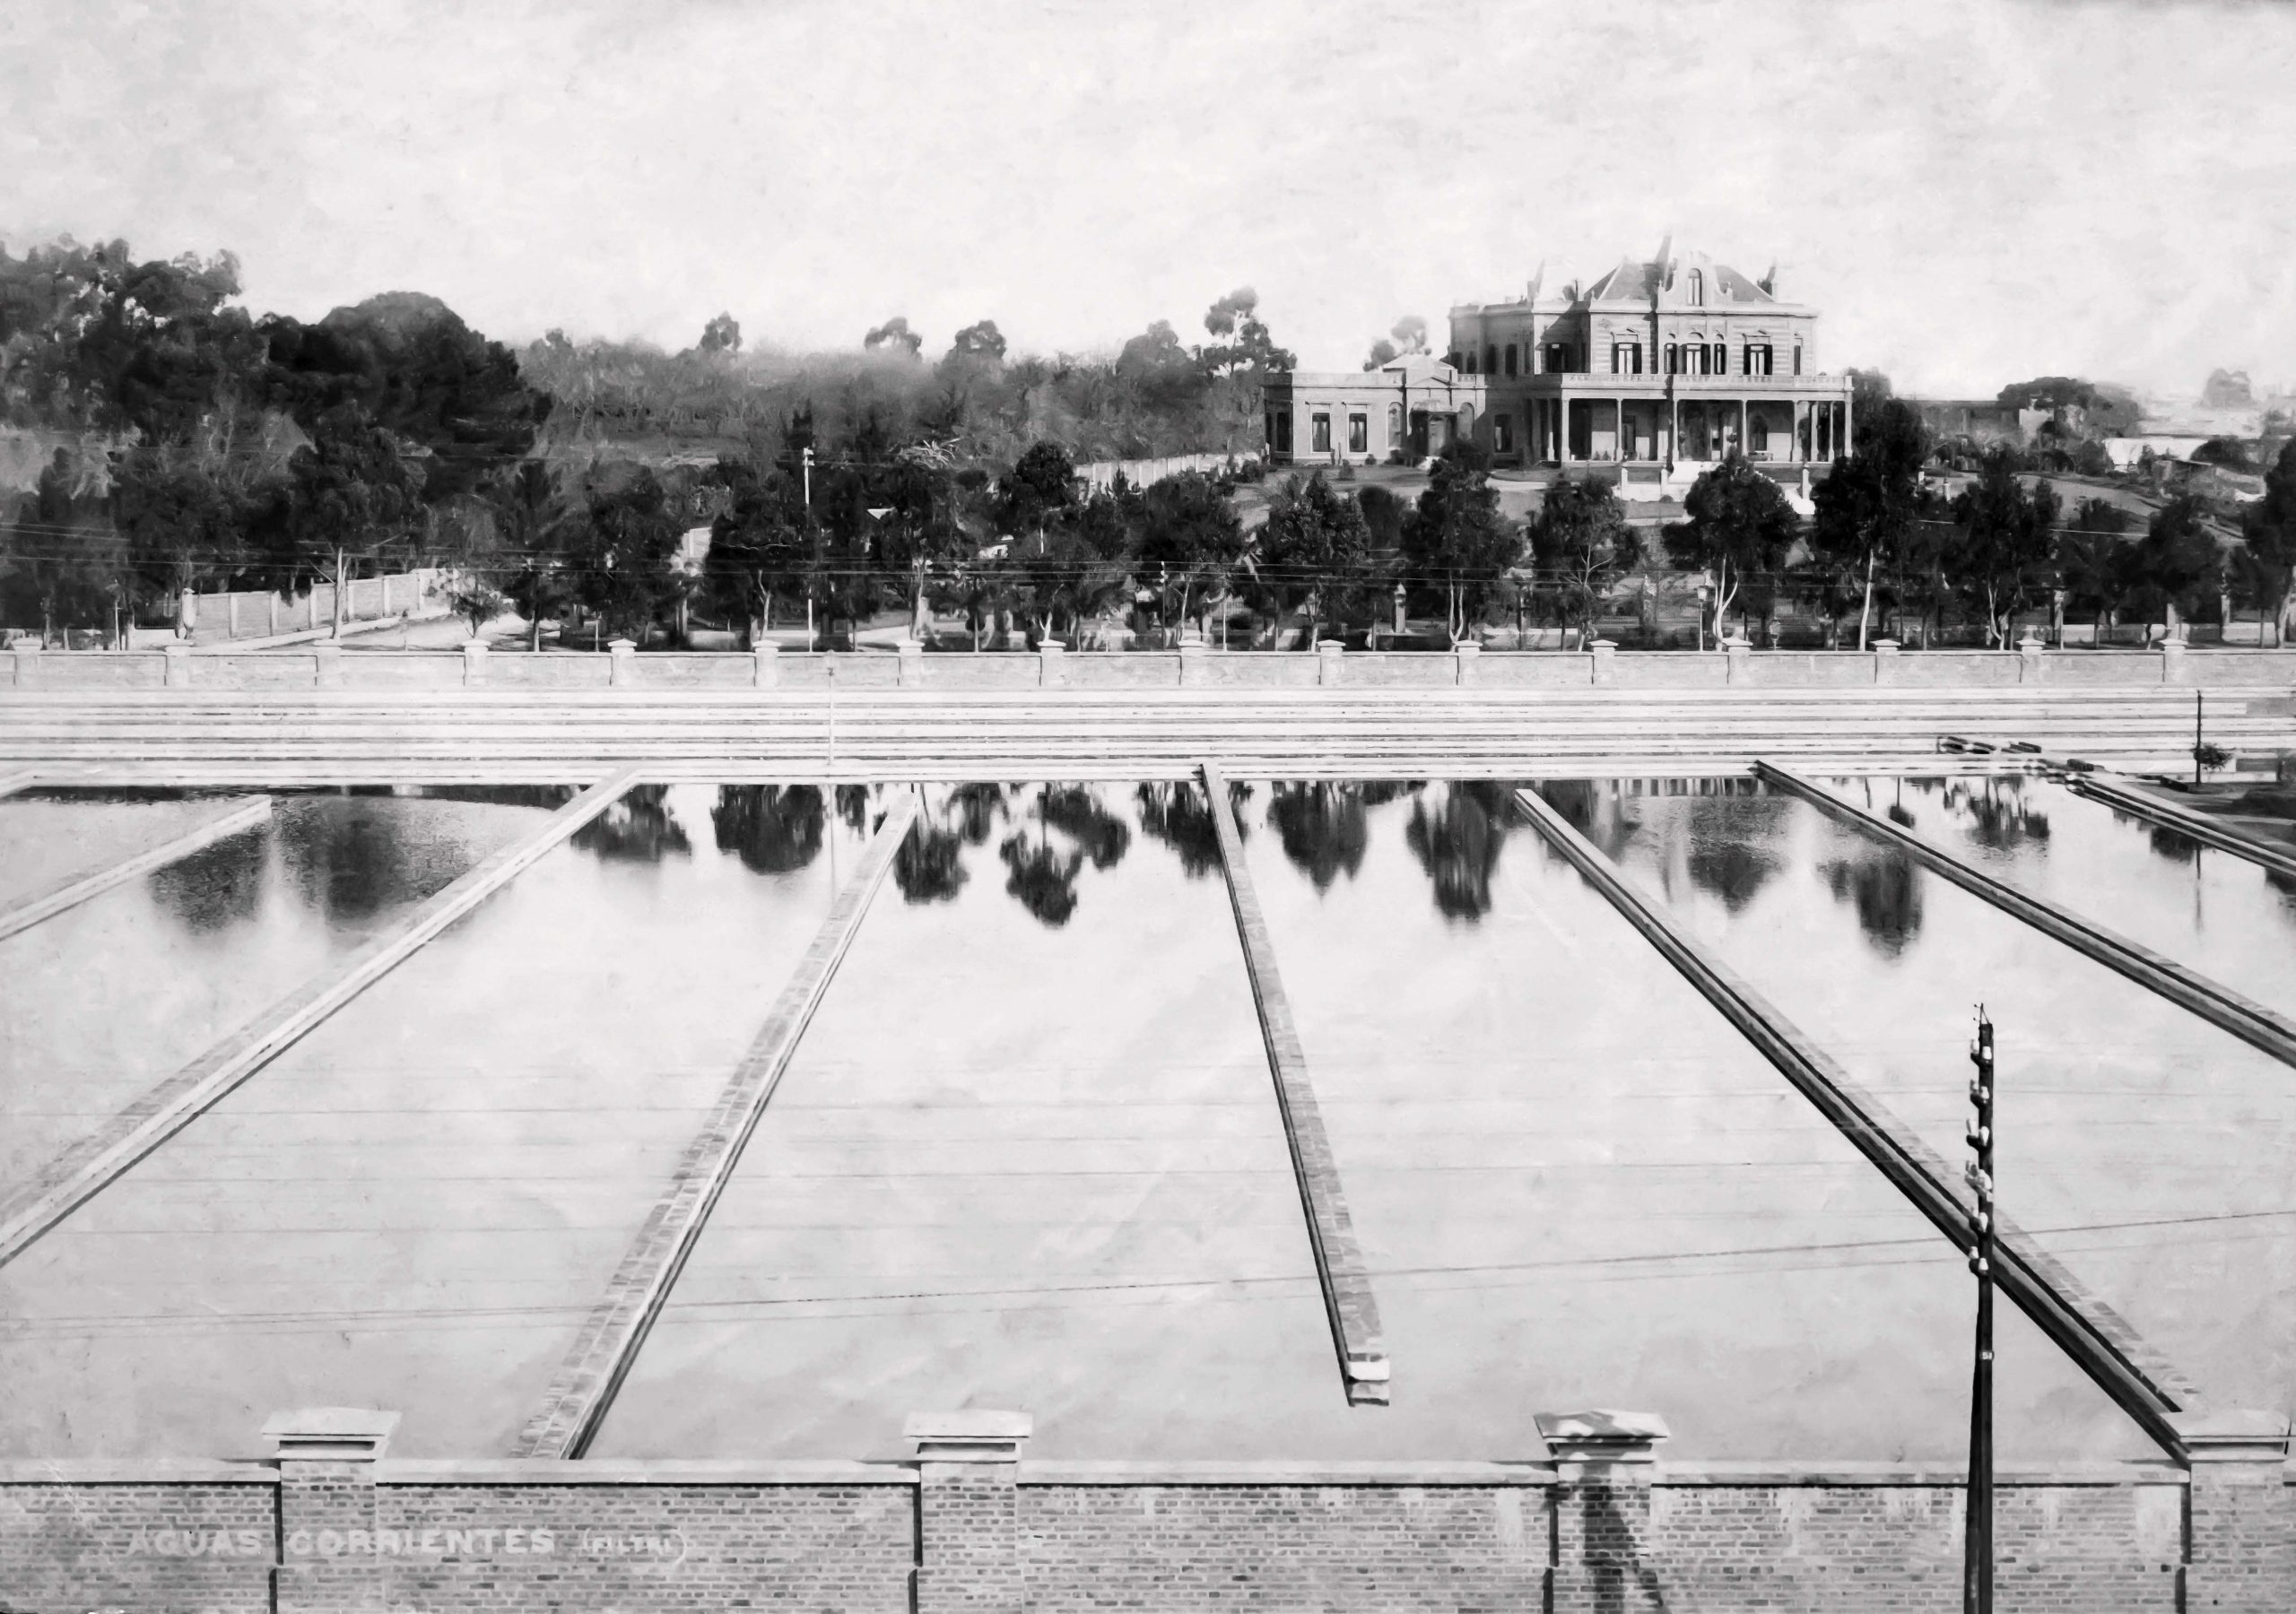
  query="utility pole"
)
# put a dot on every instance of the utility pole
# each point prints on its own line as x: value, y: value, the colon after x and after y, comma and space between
x: 805, y: 465
x: 2198, y: 697
x: 1977, y: 1565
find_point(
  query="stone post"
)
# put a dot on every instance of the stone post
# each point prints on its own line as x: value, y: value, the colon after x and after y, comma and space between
x: 1464, y: 656
x: 1738, y: 651
x: 271, y: 603
x: 766, y: 659
x: 474, y: 661
x: 1052, y: 666
x: 1193, y: 665
x: 1885, y: 660
x: 912, y: 664
x: 178, y: 664
x: 2029, y: 663
x: 967, y: 1511
x: 1604, y: 663
x: 328, y: 1514
x: 1327, y: 661
x: 622, y: 662
x: 1604, y: 1462
x: 27, y: 666
x: 2174, y: 668
x: 326, y: 665
x: 2240, y: 1533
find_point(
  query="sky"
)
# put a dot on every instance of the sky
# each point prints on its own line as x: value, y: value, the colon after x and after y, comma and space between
x: 1971, y: 192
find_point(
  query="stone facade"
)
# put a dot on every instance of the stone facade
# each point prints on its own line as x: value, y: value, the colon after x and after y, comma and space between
x: 1673, y: 361
x: 1600, y: 1524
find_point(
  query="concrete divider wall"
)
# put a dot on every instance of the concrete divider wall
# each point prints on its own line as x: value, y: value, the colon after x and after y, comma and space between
x: 389, y: 668
x: 319, y: 1537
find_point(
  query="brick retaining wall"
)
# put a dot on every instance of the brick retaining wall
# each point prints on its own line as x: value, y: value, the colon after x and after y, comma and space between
x: 980, y: 1530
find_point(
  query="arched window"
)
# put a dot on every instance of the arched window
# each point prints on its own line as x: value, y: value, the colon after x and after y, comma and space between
x: 1696, y: 289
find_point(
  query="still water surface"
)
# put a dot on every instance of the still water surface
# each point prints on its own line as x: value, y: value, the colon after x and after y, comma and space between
x: 2145, y: 1146
x: 1028, y: 1154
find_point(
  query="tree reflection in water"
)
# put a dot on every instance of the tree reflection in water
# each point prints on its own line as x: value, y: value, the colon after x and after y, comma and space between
x: 1457, y: 840
x: 853, y: 802
x: 1994, y: 811
x: 1180, y: 815
x: 773, y: 828
x: 1040, y: 872
x: 347, y: 856
x: 1597, y: 809
x: 217, y: 886
x: 641, y: 827
x: 1321, y: 828
x: 1734, y: 844
x: 1884, y: 886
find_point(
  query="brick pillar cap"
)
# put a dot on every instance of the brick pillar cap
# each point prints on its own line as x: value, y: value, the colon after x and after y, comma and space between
x: 1602, y: 1435
x: 969, y: 1434
x: 1053, y: 644
x: 177, y: 648
x: 1467, y: 647
x: 476, y: 646
x: 2230, y: 1435
x: 337, y: 1434
x: 1885, y: 646
x: 767, y: 647
x: 1603, y: 646
x: 621, y: 646
x: 1331, y: 644
x: 911, y: 646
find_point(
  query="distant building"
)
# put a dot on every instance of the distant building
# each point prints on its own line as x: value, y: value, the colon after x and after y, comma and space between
x: 1675, y: 360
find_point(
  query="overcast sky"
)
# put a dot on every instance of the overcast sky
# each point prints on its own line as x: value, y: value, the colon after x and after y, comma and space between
x: 1971, y: 191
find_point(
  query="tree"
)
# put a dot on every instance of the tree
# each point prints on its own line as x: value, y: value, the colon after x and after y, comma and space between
x: 54, y: 563
x: 1408, y: 335
x: 2228, y: 454
x: 721, y: 335
x: 1312, y: 555
x: 1040, y: 487
x: 533, y: 521
x: 1869, y: 389
x: 1739, y: 527
x: 1457, y: 546
x: 1866, y: 504
x: 1583, y: 547
x: 623, y: 548
x: 2270, y: 529
x: 2092, y: 567
x: 180, y: 520
x: 420, y: 374
x: 982, y: 341
x: 759, y: 548
x: 2005, y: 537
x: 2176, y: 566
x: 1189, y: 538
x: 895, y: 335
x: 352, y: 496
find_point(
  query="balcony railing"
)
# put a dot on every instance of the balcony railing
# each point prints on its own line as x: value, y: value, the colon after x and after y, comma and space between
x: 1651, y: 382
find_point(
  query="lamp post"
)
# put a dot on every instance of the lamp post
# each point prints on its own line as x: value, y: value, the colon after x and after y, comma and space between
x: 1399, y: 609
x: 1977, y: 1561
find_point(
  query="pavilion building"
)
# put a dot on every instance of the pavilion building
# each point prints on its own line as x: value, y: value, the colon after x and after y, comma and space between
x: 1656, y: 369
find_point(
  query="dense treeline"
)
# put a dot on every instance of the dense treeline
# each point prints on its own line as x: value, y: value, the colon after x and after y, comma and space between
x: 193, y: 445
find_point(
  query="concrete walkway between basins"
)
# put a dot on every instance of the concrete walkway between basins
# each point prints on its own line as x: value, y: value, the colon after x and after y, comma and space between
x: 381, y: 718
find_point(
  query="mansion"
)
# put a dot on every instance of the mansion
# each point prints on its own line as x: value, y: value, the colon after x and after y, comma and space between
x: 1674, y: 361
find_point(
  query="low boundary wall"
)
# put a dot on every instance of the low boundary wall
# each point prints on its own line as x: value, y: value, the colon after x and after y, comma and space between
x: 332, y: 1524
x: 331, y: 664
